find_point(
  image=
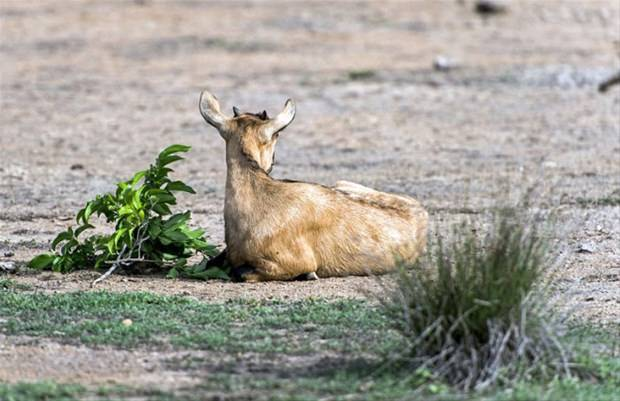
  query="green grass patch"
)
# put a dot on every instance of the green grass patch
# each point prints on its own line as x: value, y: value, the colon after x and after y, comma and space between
x: 292, y: 327
x: 43, y: 391
x: 352, y: 338
x: 10, y: 284
x: 613, y: 199
x: 361, y: 75
x: 51, y: 391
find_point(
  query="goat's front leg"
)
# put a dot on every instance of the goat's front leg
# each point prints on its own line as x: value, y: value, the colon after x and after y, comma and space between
x: 245, y: 273
x: 219, y: 260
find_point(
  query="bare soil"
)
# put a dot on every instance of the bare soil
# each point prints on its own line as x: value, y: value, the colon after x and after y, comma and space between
x: 91, y: 91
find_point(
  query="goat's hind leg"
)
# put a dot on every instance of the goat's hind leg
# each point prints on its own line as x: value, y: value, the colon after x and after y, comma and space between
x: 381, y: 198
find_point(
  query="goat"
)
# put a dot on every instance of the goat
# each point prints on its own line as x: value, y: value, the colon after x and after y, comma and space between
x: 283, y: 230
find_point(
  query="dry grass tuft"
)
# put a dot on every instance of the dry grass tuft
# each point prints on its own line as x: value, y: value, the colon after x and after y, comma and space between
x: 475, y: 309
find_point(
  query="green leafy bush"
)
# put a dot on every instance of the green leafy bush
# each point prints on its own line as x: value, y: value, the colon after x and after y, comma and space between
x: 146, y: 232
x: 474, y: 309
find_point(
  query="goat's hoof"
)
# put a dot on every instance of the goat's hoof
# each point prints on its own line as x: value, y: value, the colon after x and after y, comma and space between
x: 307, y: 277
x: 312, y: 276
x: 246, y: 274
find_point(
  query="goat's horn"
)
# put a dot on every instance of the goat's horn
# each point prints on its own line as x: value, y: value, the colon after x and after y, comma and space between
x: 210, y: 110
x: 282, y: 120
x: 236, y: 111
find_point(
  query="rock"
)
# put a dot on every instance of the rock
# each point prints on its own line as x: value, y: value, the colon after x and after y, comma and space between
x: 127, y: 322
x: 442, y: 63
x: 585, y: 248
x: 7, y: 267
x: 9, y: 254
x: 490, y: 7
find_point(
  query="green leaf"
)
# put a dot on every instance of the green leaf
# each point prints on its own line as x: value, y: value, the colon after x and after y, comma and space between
x: 88, y: 211
x: 79, y: 216
x: 125, y: 210
x: 135, y: 200
x: 63, y: 236
x: 174, y: 149
x: 179, y: 186
x: 203, y: 246
x: 83, y: 228
x: 161, y: 209
x: 163, y: 161
x: 164, y: 198
x: 118, y: 236
x: 110, y: 246
x: 154, y: 229
x: 200, y: 272
x: 216, y: 273
x: 137, y: 177
x: 175, y: 236
x: 193, y: 234
x: 41, y: 261
x: 176, y: 221
x: 169, y: 256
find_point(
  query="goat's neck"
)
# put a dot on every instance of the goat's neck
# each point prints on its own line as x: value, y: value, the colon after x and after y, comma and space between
x: 243, y: 182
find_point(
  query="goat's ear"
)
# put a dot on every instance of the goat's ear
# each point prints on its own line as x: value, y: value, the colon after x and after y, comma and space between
x: 281, y: 121
x: 210, y: 110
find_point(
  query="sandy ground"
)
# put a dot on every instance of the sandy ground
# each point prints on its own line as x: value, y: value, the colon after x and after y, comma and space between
x: 91, y: 91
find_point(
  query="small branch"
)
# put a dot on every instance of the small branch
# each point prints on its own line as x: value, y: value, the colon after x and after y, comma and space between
x: 122, y: 260
x: 130, y: 260
x: 606, y: 84
x: 112, y: 268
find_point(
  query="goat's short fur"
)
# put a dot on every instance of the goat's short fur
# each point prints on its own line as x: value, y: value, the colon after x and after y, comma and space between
x: 281, y: 230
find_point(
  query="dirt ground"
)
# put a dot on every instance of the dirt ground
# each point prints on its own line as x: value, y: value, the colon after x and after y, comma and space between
x: 91, y: 91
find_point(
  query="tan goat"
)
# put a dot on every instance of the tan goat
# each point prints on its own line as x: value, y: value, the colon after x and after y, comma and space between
x: 281, y: 230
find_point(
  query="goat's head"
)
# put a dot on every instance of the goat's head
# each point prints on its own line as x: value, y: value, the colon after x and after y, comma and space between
x: 253, y: 136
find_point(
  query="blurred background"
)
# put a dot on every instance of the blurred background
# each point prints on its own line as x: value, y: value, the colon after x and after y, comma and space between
x: 436, y: 99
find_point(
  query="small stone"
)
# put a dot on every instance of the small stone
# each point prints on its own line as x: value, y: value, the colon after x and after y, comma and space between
x: 489, y: 7
x: 77, y: 166
x: 7, y: 266
x: 442, y: 63
x: 127, y: 322
x: 9, y: 254
x: 588, y: 299
x: 585, y: 248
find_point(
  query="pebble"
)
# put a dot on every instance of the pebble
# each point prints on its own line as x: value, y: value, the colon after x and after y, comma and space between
x: 585, y: 248
x: 488, y: 7
x: 442, y: 63
x: 7, y: 266
x: 9, y: 254
x: 127, y: 322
